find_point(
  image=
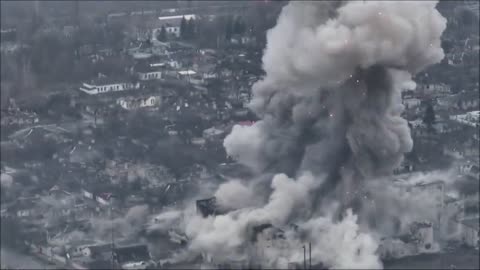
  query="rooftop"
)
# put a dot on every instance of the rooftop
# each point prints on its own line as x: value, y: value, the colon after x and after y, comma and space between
x: 187, y: 72
x: 107, y: 80
x: 150, y: 68
x: 186, y: 16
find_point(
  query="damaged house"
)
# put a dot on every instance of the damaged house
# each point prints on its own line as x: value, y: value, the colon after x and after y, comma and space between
x: 132, y: 257
x: 207, y: 207
x: 418, y: 240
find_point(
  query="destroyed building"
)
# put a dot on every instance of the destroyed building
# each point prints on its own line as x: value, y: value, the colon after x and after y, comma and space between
x: 207, y: 207
x: 418, y: 240
x: 131, y: 254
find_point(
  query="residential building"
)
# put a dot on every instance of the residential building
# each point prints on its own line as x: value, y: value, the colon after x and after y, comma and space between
x: 24, y: 207
x: 150, y: 72
x: 465, y: 101
x: 104, y: 199
x: 207, y: 207
x: 213, y: 133
x: 8, y: 35
x: 190, y: 76
x: 87, y: 194
x: 130, y: 256
x: 411, y: 102
x: 452, y: 212
x: 105, y: 85
x: 90, y: 250
x: 69, y: 30
x: 422, y: 233
x: 419, y: 239
x: 198, y: 141
x: 132, y: 103
x: 470, y: 231
x: 445, y: 126
x: 171, y: 24
x: 405, y: 167
x: 434, y: 190
x: 470, y: 168
x: 243, y: 40
x: 470, y: 118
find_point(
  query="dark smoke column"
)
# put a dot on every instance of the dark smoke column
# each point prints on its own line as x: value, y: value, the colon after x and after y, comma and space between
x: 330, y: 102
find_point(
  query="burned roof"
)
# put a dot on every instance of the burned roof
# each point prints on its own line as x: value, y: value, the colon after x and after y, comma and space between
x: 100, y: 264
x: 207, y: 207
x: 98, y: 250
x: 132, y: 253
x: 276, y: 233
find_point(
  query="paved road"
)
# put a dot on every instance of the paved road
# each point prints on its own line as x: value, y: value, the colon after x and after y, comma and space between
x: 16, y: 260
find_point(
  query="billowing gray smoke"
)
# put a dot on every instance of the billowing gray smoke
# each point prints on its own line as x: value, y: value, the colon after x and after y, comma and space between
x: 123, y: 227
x: 330, y: 108
x: 330, y: 101
x: 330, y: 82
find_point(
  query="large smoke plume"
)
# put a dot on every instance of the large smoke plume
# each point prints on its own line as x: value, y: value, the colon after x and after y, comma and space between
x: 330, y: 107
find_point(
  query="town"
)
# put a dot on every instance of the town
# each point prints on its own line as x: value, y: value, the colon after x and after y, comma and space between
x: 111, y: 116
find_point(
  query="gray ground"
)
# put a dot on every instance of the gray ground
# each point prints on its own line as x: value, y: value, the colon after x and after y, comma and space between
x: 459, y: 259
x: 15, y: 260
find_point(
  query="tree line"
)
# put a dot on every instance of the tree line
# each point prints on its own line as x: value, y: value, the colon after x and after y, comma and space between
x: 224, y: 27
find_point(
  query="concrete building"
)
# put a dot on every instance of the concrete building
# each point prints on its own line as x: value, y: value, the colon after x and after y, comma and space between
x: 434, y: 190
x: 419, y: 240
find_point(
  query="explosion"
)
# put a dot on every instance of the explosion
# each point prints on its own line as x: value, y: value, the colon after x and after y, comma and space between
x: 330, y: 109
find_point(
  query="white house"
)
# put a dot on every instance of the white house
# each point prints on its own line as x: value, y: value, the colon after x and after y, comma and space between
x: 130, y: 103
x: 104, y: 198
x: 470, y: 118
x: 172, y: 24
x: 173, y: 30
x: 105, y: 85
x: 87, y: 194
x: 411, y: 102
x: 177, y: 17
x: 135, y: 265
x: 24, y: 212
x: 174, y: 64
x: 190, y: 76
x: 198, y: 141
x: 24, y: 207
x: 435, y: 88
x: 212, y: 133
x: 151, y: 72
x: 210, y: 75
x: 185, y: 73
